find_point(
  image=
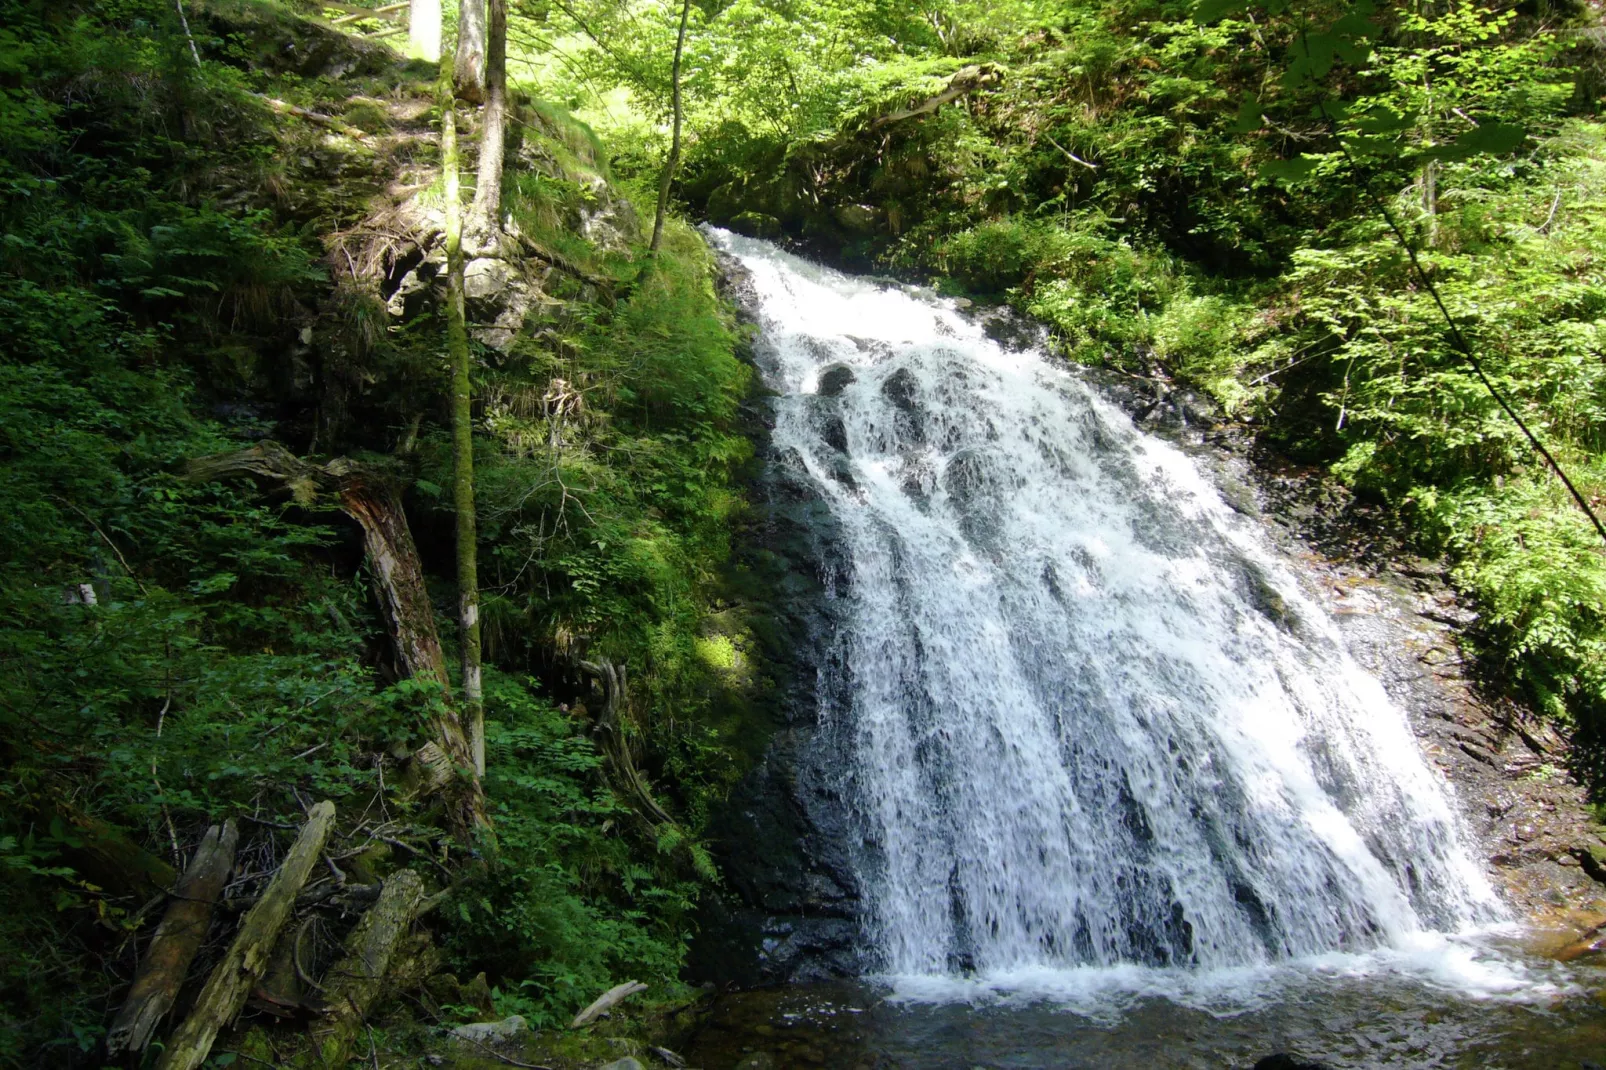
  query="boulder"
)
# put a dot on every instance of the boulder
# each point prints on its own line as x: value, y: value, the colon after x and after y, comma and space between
x: 859, y: 218
x: 835, y: 379
x: 756, y: 225
x: 485, y: 279
x: 492, y: 1032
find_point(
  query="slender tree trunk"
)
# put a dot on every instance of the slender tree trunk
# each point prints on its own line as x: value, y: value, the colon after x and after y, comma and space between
x: 424, y: 28
x: 462, y: 438
x: 468, y: 71
x: 487, y: 216
x: 674, y: 141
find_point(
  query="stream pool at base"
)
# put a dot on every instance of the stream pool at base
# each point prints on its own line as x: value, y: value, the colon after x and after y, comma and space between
x: 1345, y: 1012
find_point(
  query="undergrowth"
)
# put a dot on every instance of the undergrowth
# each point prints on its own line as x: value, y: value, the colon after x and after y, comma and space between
x: 178, y: 653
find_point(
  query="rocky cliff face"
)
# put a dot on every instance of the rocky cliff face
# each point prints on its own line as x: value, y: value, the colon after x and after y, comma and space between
x: 790, y: 908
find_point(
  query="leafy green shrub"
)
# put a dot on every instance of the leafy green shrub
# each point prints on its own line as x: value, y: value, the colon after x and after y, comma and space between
x: 569, y: 907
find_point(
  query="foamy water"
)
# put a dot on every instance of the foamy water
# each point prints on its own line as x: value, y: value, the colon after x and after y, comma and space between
x: 1104, y: 749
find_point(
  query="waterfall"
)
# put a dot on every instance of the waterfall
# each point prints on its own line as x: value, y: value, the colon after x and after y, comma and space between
x: 1093, y: 719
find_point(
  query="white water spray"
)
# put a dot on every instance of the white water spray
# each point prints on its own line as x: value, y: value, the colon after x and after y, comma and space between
x: 1094, y: 720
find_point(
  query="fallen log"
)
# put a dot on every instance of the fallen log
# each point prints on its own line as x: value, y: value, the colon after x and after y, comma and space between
x: 103, y: 854
x: 963, y: 82
x: 370, y: 499
x: 606, y: 1002
x: 175, y: 942
x: 353, y: 985
x: 284, y: 107
x: 280, y: 992
x: 248, y: 955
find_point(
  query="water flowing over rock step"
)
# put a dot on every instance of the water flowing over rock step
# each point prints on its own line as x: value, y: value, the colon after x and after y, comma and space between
x: 1078, y: 710
x: 1056, y: 686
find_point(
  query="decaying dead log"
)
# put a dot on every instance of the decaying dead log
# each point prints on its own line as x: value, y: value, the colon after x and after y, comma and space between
x: 248, y: 955
x: 279, y: 992
x: 105, y: 855
x: 962, y: 82
x: 175, y: 942
x: 351, y: 987
x: 371, y: 500
x: 606, y: 1002
x: 415, y: 961
x: 615, y: 745
x: 337, y: 125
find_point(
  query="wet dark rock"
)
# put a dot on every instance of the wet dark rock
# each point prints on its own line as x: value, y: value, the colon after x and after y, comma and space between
x: 827, y: 421
x: 842, y: 472
x: 789, y: 907
x: 1265, y: 598
x: 1288, y: 1062
x: 835, y: 379
x: 903, y: 390
x: 965, y: 478
x: 1007, y: 327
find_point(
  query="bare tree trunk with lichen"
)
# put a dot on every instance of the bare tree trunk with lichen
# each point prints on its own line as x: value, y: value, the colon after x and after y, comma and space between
x: 486, y: 220
x: 468, y: 69
x: 468, y: 593
x: 674, y: 141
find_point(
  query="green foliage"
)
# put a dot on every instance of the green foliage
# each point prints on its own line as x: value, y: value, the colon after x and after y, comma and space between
x: 569, y: 907
x: 177, y: 653
x: 609, y: 506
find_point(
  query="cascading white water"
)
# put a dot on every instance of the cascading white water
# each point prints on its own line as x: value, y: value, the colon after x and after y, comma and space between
x: 1094, y: 720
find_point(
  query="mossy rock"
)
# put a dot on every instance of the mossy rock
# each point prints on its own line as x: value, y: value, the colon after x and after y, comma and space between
x: 367, y: 115
x: 756, y: 225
